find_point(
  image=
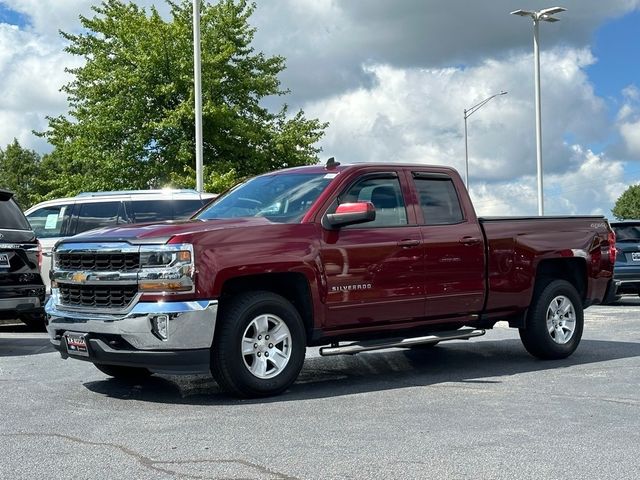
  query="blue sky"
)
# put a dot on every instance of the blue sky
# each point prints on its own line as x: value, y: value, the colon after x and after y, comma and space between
x: 393, y: 78
x: 616, y: 45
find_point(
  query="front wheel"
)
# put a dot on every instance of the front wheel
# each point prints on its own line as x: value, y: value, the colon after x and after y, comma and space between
x: 555, y: 321
x: 259, y: 346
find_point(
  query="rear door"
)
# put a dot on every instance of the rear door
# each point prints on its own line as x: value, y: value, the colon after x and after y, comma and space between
x: 454, y: 249
x: 374, y: 270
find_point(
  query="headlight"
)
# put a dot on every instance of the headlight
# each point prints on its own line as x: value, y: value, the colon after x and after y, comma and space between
x: 167, y: 269
x: 164, y: 258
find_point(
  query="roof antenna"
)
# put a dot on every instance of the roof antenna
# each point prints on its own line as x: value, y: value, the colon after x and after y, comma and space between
x: 331, y: 163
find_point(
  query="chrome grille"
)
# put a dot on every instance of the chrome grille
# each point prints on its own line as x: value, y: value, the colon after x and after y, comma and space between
x: 107, y: 296
x: 101, y: 262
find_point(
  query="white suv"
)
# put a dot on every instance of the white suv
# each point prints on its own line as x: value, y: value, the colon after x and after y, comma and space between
x: 64, y: 217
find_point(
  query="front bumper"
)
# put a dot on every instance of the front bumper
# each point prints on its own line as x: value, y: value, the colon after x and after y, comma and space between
x: 128, y: 338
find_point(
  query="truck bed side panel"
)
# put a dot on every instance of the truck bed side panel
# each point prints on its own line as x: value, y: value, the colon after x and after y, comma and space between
x: 516, y: 246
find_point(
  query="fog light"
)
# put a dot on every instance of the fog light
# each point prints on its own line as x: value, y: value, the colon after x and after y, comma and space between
x: 160, y: 326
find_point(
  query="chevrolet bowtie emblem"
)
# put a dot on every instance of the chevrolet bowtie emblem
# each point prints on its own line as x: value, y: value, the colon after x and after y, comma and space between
x: 79, y: 277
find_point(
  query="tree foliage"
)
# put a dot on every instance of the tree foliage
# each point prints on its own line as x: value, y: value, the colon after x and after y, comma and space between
x: 628, y: 204
x: 19, y: 173
x: 131, y: 105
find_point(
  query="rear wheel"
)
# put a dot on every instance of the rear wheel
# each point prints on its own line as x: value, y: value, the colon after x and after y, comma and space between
x: 123, y: 373
x: 555, y: 321
x: 259, y: 346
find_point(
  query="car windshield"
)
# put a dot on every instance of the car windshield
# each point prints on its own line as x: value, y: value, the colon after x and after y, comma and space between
x: 627, y: 233
x: 279, y: 197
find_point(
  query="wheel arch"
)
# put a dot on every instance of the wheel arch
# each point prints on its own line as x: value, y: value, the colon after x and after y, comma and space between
x: 573, y: 270
x: 292, y: 286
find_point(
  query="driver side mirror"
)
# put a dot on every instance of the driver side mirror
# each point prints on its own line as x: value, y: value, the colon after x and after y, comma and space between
x: 351, y: 214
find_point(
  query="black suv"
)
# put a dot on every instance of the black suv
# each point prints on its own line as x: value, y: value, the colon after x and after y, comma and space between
x: 626, y: 272
x: 21, y: 287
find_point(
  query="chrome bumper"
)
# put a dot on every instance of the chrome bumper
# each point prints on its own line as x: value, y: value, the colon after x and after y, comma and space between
x: 191, y: 324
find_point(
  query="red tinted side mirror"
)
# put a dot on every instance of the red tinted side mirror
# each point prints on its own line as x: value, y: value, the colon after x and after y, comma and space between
x: 351, y: 214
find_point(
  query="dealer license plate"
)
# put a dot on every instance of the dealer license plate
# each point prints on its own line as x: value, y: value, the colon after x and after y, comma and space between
x: 4, y: 260
x: 635, y: 256
x: 76, y: 344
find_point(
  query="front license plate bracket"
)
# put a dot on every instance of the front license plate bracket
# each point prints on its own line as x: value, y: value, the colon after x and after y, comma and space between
x: 77, y: 344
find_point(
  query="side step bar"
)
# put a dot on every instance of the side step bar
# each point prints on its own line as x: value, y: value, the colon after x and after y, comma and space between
x: 357, y: 347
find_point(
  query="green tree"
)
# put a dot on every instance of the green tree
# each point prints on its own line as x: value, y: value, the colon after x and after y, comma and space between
x: 628, y: 204
x: 131, y: 105
x: 19, y: 169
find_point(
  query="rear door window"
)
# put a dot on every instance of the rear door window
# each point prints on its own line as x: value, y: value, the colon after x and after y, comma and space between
x: 97, y: 215
x: 11, y: 217
x: 438, y: 200
x: 50, y: 222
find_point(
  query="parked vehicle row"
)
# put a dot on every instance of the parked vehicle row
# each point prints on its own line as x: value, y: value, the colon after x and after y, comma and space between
x: 22, y: 288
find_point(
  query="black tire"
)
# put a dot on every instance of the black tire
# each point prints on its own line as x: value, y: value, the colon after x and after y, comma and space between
x: 123, y: 373
x: 536, y: 336
x: 230, y: 367
x: 35, y: 321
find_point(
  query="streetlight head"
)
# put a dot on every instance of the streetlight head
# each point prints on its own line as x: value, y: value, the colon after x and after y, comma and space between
x: 551, y: 11
x: 503, y: 93
x: 523, y: 13
x: 547, y: 18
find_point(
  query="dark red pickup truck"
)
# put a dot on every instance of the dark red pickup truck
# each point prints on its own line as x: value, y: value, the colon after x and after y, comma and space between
x: 375, y: 256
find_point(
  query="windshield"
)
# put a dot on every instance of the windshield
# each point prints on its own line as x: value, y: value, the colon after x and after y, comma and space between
x: 280, y: 197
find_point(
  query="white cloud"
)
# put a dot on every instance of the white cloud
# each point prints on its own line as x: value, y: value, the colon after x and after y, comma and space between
x: 31, y: 74
x: 628, y: 119
x: 416, y: 116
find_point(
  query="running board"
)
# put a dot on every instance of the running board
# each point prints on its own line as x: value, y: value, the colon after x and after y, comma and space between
x: 436, y: 337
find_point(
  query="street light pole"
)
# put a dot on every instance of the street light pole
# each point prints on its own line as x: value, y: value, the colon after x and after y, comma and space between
x: 536, y: 68
x: 547, y: 16
x: 467, y: 113
x: 197, y: 81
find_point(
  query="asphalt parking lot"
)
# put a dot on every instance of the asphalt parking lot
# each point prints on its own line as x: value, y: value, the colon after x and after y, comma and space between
x: 464, y: 410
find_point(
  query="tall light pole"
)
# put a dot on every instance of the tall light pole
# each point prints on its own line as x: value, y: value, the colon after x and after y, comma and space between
x: 197, y: 84
x: 547, y: 16
x: 467, y: 113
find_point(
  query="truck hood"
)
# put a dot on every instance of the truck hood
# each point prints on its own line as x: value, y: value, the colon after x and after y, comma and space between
x: 160, y: 233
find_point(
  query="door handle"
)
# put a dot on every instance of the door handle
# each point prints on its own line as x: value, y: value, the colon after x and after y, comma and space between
x: 408, y: 243
x: 469, y: 241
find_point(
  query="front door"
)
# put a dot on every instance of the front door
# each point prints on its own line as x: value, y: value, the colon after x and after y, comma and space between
x: 374, y: 270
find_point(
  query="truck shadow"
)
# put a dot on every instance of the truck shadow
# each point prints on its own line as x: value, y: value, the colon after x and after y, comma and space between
x: 325, y: 377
